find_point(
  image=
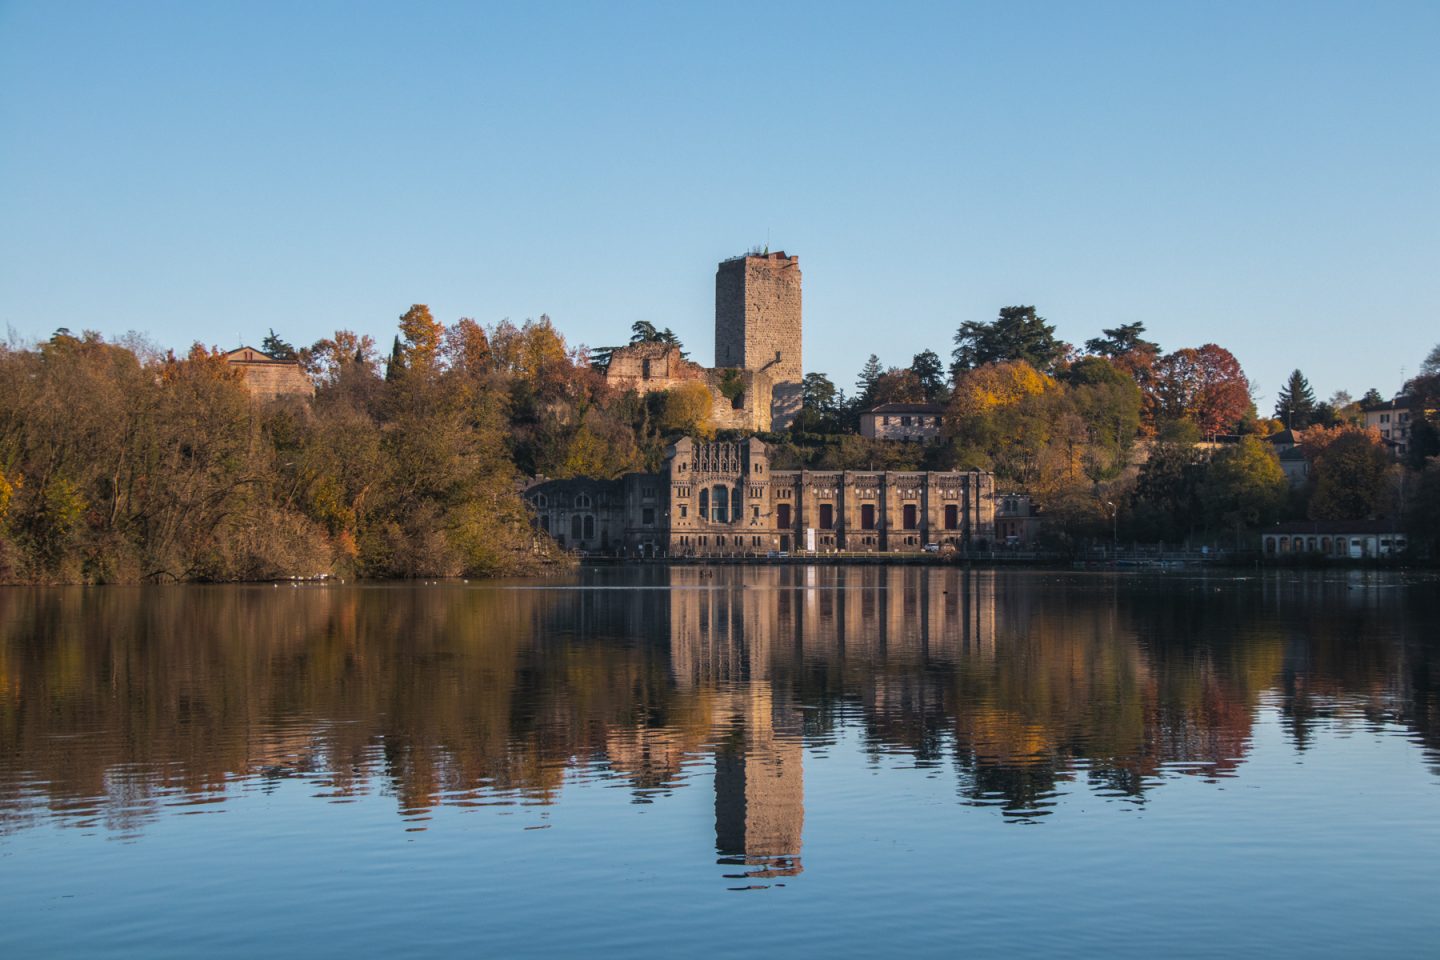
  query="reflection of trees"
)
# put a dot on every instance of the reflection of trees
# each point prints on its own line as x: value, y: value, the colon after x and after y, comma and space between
x: 115, y: 702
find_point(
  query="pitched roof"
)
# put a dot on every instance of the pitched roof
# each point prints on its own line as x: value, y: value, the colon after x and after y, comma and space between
x: 936, y: 408
x: 254, y: 356
x: 1404, y: 401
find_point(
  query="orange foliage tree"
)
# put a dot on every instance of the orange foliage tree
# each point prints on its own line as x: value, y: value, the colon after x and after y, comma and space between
x: 1204, y: 385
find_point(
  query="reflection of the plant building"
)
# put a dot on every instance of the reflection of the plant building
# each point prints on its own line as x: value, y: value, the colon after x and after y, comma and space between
x: 114, y: 703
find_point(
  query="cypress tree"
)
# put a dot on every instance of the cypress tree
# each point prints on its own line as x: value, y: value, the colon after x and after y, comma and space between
x: 396, y: 366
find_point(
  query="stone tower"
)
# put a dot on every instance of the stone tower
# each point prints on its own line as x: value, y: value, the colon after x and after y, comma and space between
x: 757, y: 325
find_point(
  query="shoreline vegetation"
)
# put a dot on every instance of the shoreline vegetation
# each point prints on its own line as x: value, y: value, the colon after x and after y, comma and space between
x: 120, y: 464
x: 123, y: 463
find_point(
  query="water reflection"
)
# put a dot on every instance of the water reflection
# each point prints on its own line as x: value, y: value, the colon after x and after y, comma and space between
x: 121, y: 706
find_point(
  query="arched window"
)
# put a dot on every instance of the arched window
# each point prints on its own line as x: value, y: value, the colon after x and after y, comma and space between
x: 704, y: 503
x: 735, y: 505
x: 575, y: 527
x: 589, y: 526
x: 719, y: 500
x: 541, y: 501
x: 582, y: 501
x: 738, y: 403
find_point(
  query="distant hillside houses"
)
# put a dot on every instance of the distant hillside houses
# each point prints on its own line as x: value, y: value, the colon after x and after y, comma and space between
x: 1395, y: 418
x: 268, y: 378
x: 902, y: 421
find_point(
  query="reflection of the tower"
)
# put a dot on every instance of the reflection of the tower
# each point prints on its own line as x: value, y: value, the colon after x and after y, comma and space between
x: 732, y: 629
x: 721, y: 639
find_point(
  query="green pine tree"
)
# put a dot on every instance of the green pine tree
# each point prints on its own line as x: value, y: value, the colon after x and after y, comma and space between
x: 1296, y: 404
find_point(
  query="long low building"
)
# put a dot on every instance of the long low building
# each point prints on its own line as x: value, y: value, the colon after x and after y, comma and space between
x: 1341, y: 539
x: 722, y: 499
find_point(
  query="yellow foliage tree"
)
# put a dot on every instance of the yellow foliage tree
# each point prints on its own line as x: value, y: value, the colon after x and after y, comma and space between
x: 422, y: 334
x: 995, y: 385
x: 544, y: 358
x: 586, y: 455
x: 7, y: 492
x: 467, y: 347
x: 686, y: 410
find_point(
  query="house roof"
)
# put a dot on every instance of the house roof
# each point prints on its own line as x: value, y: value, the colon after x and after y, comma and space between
x: 1404, y: 401
x: 936, y: 408
x: 1343, y: 527
x: 1285, y: 436
x: 256, y: 356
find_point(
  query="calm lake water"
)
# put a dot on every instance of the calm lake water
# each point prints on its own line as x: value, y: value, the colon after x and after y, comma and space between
x: 727, y: 762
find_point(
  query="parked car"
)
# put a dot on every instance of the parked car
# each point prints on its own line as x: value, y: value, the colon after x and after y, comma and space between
x: 932, y: 548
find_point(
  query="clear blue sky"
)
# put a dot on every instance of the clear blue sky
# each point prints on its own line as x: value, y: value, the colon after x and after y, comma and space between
x: 1261, y: 175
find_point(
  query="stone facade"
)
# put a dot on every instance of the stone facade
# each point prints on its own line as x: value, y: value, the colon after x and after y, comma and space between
x: 902, y: 421
x: 755, y: 385
x: 739, y: 399
x: 267, y: 378
x: 722, y: 499
x: 1017, y: 520
x: 758, y: 324
x: 623, y: 517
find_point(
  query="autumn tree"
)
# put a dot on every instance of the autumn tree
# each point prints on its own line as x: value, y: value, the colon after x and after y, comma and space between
x: 599, y: 446
x: 687, y: 411
x: 466, y: 348
x: 1341, y: 409
x: 422, y: 337
x: 1108, y: 402
x: 897, y: 386
x: 998, y: 418
x: 1204, y: 385
x: 329, y: 357
x: 1244, y: 485
x: 1349, y: 469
